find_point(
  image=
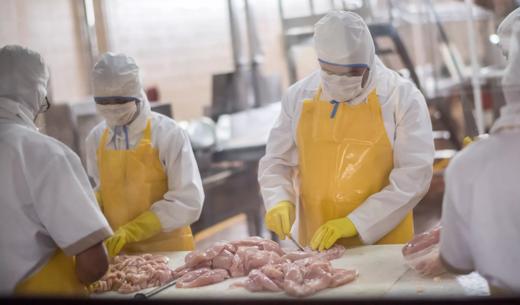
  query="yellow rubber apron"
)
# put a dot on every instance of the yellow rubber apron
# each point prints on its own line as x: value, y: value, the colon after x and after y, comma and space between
x: 130, y: 182
x: 56, y: 278
x: 345, y: 156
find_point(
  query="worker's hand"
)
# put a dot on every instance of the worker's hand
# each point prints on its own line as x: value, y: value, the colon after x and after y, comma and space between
x: 142, y: 227
x: 280, y: 218
x: 116, y: 243
x: 467, y: 141
x: 431, y: 266
x: 331, y: 231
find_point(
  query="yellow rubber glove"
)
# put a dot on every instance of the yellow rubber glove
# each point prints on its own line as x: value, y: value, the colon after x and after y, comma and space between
x: 331, y: 231
x: 467, y: 141
x: 142, y: 227
x: 280, y: 218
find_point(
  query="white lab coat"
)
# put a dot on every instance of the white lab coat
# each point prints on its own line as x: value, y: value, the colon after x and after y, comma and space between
x: 182, y: 204
x: 46, y: 199
x: 409, y: 130
x: 481, y: 206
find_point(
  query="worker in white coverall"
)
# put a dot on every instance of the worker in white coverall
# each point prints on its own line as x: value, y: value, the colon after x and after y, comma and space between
x: 481, y: 207
x: 146, y: 178
x: 52, y: 230
x: 351, y: 153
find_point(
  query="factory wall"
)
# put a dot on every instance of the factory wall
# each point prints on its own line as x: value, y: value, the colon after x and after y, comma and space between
x: 178, y: 44
x: 50, y: 28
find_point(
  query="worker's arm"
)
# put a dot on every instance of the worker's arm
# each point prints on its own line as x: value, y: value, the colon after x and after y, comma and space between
x: 91, y: 146
x: 91, y: 264
x: 65, y: 204
x: 277, y: 167
x: 182, y: 204
x: 455, y: 251
x: 410, y: 178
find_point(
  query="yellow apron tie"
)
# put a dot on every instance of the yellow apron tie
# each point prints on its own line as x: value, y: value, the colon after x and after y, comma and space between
x: 56, y: 278
x: 130, y: 182
x: 345, y: 156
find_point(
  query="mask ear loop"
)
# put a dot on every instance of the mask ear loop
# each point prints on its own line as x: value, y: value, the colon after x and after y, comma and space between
x: 365, y: 78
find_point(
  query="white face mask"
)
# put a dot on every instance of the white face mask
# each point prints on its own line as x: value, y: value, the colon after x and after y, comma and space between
x: 117, y: 114
x: 341, y: 88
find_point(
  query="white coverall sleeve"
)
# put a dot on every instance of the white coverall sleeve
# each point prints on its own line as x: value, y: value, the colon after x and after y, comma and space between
x: 278, y: 166
x: 91, y: 145
x: 411, y: 176
x: 65, y: 204
x: 183, y: 202
x: 455, y: 248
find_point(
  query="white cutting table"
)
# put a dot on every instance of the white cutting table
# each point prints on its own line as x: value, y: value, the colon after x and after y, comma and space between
x: 382, y: 273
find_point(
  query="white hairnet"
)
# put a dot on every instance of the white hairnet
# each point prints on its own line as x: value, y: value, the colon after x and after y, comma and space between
x: 342, y: 38
x: 505, y: 30
x: 23, y: 81
x: 117, y: 75
x: 511, y: 79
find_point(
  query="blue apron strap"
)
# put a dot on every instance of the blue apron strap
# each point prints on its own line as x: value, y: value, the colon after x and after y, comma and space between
x: 334, y: 108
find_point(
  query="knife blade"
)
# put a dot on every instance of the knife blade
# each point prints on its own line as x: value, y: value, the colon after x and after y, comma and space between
x: 155, y: 291
x: 295, y: 242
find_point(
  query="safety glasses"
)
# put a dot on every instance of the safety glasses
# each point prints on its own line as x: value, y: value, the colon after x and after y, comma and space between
x: 111, y: 100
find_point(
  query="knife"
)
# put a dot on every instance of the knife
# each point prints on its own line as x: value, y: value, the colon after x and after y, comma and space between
x: 148, y: 295
x: 295, y: 242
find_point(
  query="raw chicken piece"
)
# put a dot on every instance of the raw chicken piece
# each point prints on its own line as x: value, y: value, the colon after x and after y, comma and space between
x: 316, y: 277
x: 202, y: 277
x: 129, y: 273
x: 254, y: 259
x: 341, y: 277
x: 333, y: 253
x: 258, y: 281
x: 224, y: 260
x: 275, y: 273
x: 260, y: 243
x: 422, y: 253
x: 422, y: 241
x: 297, y: 255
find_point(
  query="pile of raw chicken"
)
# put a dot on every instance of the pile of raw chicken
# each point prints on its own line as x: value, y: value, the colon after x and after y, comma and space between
x: 266, y: 265
x: 130, y: 273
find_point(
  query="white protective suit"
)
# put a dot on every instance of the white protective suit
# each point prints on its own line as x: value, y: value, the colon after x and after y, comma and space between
x: 406, y: 120
x: 182, y: 204
x: 505, y: 30
x: 481, y: 207
x: 46, y: 199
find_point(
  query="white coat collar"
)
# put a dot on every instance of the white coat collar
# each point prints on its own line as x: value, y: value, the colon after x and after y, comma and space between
x: 16, y: 112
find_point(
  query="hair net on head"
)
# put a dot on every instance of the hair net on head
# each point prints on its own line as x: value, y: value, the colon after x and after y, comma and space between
x: 116, y: 75
x: 343, y: 38
x: 505, y: 30
x: 23, y: 80
x: 511, y: 79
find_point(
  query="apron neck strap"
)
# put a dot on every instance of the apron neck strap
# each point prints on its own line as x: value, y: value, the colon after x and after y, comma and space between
x: 147, y: 134
x: 104, y: 139
x: 317, y: 95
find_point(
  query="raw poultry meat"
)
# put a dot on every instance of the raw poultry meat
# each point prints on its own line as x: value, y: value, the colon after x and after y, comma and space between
x: 303, y: 276
x: 422, y: 253
x: 267, y: 266
x: 130, y: 273
x: 202, y: 277
x: 422, y: 241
